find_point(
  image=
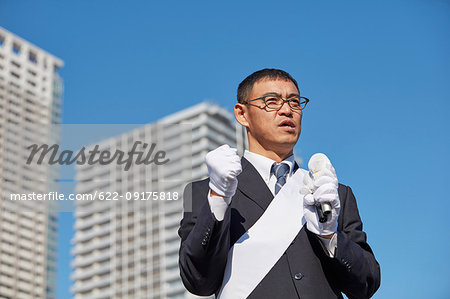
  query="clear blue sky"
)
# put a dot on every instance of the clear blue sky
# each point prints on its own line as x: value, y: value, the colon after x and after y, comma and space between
x: 377, y: 74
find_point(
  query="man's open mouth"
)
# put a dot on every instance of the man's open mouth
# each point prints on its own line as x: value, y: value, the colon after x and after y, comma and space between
x: 287, y: 123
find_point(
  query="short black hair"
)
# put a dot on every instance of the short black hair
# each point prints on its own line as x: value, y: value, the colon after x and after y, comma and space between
x: 246, y: 86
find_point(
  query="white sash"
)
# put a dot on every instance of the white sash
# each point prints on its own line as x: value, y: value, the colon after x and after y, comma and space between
x: 257, y: 251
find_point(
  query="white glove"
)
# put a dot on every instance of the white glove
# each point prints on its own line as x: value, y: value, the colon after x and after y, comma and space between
x: 224, y: 165
x: 320, y: 187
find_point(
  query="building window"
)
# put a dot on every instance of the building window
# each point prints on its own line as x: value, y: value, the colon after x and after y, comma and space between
x: 32, y: 57
x: 2, y: 40
x: 16, y: 48
x: 15, y: 75
x: 17, y: 65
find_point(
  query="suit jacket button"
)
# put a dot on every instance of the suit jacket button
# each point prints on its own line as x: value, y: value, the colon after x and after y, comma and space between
x: 298, y: 276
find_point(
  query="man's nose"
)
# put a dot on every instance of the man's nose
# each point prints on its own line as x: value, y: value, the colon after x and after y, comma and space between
x: 285, y: 109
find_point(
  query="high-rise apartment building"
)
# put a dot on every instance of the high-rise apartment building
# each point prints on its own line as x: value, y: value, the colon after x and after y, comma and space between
x: 129, y: 248
x: 30, y: 105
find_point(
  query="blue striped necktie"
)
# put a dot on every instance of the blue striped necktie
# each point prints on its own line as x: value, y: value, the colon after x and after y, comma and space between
x: 280, y: 171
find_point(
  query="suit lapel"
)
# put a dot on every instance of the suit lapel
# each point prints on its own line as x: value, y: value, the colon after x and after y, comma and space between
x: 252, y: 185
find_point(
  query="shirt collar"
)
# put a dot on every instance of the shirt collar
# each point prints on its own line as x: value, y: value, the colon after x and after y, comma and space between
x: 264, y: 165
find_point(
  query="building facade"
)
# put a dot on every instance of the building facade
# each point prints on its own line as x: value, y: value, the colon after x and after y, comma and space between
x: 30, y: 106
x: 129, y: 248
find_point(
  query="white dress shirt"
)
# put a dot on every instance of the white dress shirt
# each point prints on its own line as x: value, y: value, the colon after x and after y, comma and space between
x: 263, y: 165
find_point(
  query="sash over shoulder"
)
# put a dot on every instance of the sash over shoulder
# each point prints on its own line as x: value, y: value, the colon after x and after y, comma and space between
x: 258, y: 249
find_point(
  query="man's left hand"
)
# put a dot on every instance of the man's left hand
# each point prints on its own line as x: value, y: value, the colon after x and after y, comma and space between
x: 321, y: 188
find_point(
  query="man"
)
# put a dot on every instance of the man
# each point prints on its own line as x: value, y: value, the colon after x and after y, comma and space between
x: 251, y: 230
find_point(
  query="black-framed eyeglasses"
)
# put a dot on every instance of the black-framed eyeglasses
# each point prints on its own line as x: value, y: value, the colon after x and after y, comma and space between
x: 273, y: 102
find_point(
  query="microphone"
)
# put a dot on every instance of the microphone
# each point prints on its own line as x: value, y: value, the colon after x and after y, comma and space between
x: 318, y: 162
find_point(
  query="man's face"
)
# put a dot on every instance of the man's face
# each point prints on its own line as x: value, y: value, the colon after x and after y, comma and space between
x: 273, y: 130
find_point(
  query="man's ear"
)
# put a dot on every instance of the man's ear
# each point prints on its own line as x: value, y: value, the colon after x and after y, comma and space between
x: 240, y: 112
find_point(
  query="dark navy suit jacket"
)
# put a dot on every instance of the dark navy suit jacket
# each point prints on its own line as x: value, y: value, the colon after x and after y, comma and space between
x: 303, y: 271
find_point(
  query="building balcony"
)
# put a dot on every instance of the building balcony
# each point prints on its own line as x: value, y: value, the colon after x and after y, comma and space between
x: 90, y: 285
x: 90, y: 186
x: 98, y: 244
x: 8, y: 270
x: 94, y: 173
x: 25, y: 265
x: 84, y: 274
x: 171, y: 261
x: 9, y: 216
x: 171, y: 248
x: 9, y: 227
x: 7, y: 280
x: 5, y: 291
x: 176, y: 206
x: 8, y: 248
x: 27, y: 276
x: 103, y: 294
x: 25, y: 286
x: 27, y: 233
x: 82, y: 211
x: 174, y: 288
x: 86, y: 236
x: 173, y: 220
x: 98, y: 219
x: 94, y: 258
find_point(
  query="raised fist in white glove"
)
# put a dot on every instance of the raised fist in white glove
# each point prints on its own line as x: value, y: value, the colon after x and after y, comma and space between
x: 224, y: 165
x: 320, y: 186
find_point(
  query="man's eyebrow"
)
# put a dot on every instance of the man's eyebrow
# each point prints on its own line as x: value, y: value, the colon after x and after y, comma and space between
x: 272, y: 93
x: 293, y: 95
